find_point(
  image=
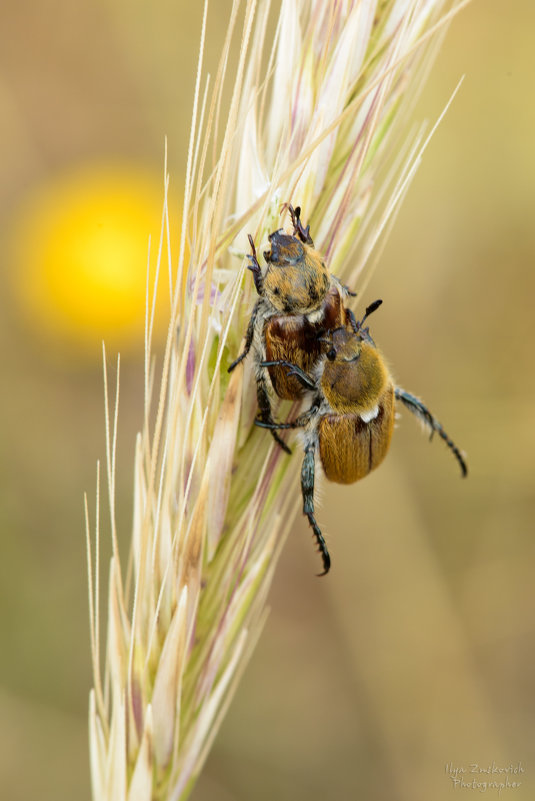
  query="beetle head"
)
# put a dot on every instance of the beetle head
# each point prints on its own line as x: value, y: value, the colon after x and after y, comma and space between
x: 342, y: 345
x: 285, y: 249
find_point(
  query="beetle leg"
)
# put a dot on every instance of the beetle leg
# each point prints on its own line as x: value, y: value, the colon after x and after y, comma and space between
x: 301, y: 376
x: 299, y: 422
x: 351, y: 317
x: 416, y: 406
x: 255, y: 268
x: 421, y: 411
x: 307, y: 489
x: 264, y: 407
x: 343, y: 286
x: 248, y: 338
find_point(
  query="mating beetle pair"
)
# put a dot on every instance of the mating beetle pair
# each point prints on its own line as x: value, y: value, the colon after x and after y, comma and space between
x: 306, y: 341
x: 298, y: 301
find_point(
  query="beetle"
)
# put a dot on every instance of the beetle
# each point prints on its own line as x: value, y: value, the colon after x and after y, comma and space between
x: 298, y: 300
x: 350, y: 421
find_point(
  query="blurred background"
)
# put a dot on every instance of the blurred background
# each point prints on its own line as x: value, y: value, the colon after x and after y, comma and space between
x: 417, y: 652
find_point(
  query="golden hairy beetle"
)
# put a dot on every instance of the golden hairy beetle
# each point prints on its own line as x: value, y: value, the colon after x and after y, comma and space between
x: 298, y: 300
x: 350, y: 420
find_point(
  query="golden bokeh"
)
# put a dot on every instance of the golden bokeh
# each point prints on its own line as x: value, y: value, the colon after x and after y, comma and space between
x: 80, y: 256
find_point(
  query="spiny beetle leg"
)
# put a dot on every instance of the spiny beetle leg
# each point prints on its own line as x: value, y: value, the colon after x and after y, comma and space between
x: 295, y: 370
x: 307, y: 489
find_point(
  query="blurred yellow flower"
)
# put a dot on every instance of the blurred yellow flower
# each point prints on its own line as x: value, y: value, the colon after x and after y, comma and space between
x: 80, y: 255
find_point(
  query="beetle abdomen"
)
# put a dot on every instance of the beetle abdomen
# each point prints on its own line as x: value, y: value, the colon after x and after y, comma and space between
x: 293, y: 338
x: 350, y: 447
x: 286, y: 338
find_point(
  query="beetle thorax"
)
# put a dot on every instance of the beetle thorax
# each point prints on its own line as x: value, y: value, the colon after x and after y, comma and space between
x: 296, y: 280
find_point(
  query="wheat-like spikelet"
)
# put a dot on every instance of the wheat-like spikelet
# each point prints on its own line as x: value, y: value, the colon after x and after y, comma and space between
x: 310, y: 121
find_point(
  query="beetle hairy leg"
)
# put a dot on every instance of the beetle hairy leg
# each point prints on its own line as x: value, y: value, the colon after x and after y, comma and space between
x: 352, y: 320
x: 344, y: 286
x: 248, y: 339
x: 420, y: 410
x: 264, y: 407
x: 295, y: 370
x: 299, y: 422
x: 307, y: 489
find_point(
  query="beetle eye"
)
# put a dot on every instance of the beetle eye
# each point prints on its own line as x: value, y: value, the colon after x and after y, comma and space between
x: 331, y: 354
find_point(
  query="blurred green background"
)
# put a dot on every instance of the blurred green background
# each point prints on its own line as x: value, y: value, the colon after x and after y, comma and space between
x: 418, y: 650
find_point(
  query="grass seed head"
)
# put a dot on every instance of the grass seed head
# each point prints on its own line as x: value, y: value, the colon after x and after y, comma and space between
x: 313, y: 117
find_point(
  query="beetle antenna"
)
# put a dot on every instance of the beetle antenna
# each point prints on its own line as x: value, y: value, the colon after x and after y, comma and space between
x: 370, y: 310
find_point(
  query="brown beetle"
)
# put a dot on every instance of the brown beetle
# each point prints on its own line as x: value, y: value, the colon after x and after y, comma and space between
x: 351, y: 418
x: 299, y: 300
